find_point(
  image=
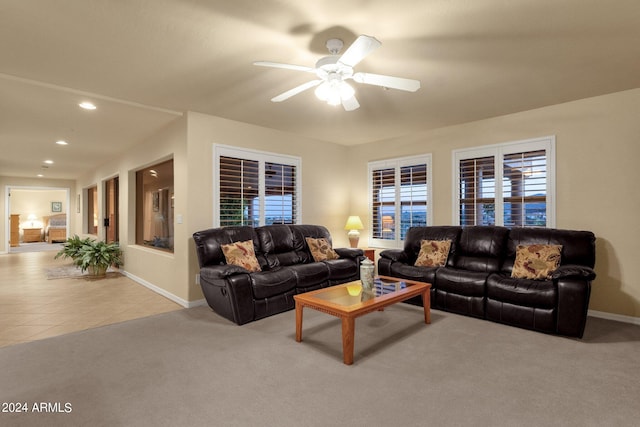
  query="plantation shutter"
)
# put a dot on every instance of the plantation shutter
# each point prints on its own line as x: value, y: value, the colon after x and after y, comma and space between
x: 280, y: 193
x: 509, y: 184
x: 413, y: 197
x: 239, y: 190
x: 477, y: 191
x: 399, y: 194
x: 525, y: 188
x: 383, y: 203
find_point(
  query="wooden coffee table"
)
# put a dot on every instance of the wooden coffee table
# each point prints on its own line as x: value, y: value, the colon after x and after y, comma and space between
x: 350, y: 300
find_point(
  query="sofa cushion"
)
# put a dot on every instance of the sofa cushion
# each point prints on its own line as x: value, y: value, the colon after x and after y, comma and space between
x: 278, y: 245
x: 433, y: 253
x: 411, y: 272
x: 342, y: 269
x: 462, y: 282
x: 208, y: 243
x: 321, y: 249
x: 415, y: 236
x: 312, y: 275
x: 536, y: 262
x: 267, y: 284
x: 523, y: 292
x: 578, y: 247
x: 241, y: 254
x: 481, y: 248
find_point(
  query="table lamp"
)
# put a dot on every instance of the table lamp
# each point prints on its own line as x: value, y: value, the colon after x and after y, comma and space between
x: 32, y: 217
x: 353, y: 225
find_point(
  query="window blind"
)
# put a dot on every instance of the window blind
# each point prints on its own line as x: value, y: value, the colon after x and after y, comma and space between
x: 413, y: 197
x: 508, y: 184
x: 399, y: 194
x: 239, y: 189
x: 280, y: 193
x: 383, y: 203
x: 477, y: 191
x: 256, y: 188
x: 524, y: 189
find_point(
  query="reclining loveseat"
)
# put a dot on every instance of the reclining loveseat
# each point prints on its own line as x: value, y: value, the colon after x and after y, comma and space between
x: 284, y: 265
x: 476, y: 276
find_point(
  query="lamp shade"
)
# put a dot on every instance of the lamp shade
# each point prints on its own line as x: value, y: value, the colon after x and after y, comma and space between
x: 32, y: 217
x: 354, y: 223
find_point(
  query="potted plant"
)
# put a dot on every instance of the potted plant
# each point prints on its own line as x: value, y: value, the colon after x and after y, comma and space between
x: 92, y: 255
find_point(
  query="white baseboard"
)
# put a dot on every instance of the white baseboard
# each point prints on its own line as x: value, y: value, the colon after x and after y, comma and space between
x: 616, y: 317
x: 164, y: 293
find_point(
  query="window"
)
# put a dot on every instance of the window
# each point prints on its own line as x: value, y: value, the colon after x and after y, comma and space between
x: 154, y: 206
x: 508, y: 184
x: 399, y: 194
x: 255, y: 188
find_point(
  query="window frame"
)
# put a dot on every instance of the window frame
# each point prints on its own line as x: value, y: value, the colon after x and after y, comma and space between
x: 397, y: 164
x: 498, y: 152
x: 262, y: 157
x: 157, y: 204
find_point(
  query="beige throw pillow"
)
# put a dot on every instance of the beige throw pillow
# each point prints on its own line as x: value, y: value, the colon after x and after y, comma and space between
x: 536, y: 261
x: 321, y: 249
x: 433, y: 253
x: 241, y: 254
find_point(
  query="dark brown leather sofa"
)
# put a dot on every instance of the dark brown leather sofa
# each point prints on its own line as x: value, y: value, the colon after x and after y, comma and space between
x: 288, y: 268
x: 476, y: 279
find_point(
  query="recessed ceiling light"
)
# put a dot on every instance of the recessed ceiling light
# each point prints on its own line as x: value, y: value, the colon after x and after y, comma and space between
x: 39, y: 175
x: 61, y: 142
x: 49, y: 162
x: 87, y: 105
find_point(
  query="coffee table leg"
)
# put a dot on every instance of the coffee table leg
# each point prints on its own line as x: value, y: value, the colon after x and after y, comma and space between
x: 348, y: 332
x: 426, y: 303
x: 298, y: 322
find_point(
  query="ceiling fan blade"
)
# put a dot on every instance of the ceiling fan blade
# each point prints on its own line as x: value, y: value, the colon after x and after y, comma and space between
x: 387, y: 81
x: 296, y: 90
x: 350, y: 104
x: 285, y: 66
x: 360, y: 48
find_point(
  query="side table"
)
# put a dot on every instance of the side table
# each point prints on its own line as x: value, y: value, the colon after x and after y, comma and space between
x: 370, y: 253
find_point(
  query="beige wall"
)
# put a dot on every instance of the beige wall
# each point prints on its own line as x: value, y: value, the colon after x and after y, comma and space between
x: 597, y: 148
x: 325, y: 196
x: 164, y: 271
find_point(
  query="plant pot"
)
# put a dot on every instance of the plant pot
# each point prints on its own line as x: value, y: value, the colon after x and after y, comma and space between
x: 97, y: 270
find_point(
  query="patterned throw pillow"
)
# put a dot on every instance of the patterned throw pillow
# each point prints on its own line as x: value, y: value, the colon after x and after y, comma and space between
x: 536, y: 261
x: 433, y: 253
x: 241, y: 254
x: 321, y: 249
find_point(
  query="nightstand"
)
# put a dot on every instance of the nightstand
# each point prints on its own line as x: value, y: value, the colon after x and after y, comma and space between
x: 30, y: 235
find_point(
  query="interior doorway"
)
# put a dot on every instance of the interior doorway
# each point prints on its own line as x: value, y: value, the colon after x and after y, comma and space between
x: 34, y: 216
x: 111, y: 219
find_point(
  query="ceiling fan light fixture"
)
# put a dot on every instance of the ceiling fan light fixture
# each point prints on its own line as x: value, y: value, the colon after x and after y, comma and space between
x: 333, y: 92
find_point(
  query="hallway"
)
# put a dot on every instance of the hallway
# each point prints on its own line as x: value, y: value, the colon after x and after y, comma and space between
x: 33, y: 307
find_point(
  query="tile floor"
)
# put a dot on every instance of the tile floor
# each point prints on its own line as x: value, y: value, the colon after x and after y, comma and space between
x: 33, y: 307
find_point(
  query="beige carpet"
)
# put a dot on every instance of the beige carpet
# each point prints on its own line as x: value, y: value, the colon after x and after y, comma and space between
x: 193, y: 368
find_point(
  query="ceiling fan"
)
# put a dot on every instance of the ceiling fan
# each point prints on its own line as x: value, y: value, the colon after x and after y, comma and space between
x: 334, y: 70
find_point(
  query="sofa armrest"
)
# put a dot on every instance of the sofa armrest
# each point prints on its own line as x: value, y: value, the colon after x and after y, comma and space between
x: 573, y: 271
x: 221, y: 272
x: 349, y: 252
x: 397, y: 255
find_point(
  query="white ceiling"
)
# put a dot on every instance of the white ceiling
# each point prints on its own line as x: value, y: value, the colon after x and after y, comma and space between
x: 143, y: 62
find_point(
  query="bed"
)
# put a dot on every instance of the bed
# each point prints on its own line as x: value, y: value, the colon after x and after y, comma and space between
x: 56, y: 228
